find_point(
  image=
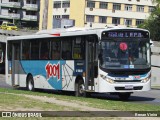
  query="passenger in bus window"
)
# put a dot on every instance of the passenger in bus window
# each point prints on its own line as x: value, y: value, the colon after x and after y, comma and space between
x: 68, y: 54
x: 25, y: 56
x: 56, y: 55
x: 45, y: 55
x: 77, y: 55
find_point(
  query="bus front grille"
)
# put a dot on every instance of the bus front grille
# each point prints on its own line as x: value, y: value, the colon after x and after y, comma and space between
x: 127, y: 80
x: 134, y: 88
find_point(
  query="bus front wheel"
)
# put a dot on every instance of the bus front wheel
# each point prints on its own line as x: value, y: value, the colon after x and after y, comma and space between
x: 79, y: 89
x: 30, y: 83
x: 124, y: 96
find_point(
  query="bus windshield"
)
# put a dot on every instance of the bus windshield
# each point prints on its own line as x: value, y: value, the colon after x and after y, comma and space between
x: 125, y: 53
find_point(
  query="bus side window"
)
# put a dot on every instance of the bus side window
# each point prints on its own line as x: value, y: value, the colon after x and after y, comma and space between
x: 25, y: 50
x: 78, y: 47
x: 44, y: 49
x: 35, y: 49
x: 56, y: 50
x: 66, y: 49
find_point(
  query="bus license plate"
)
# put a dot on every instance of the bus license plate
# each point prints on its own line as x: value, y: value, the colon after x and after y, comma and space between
x: 128, y: 86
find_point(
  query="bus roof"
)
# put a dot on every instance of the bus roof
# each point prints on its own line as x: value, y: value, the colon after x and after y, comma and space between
x: 56, y: 33
x: 74, y: 31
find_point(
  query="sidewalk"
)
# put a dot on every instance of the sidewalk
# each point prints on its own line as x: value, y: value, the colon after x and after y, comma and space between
x: 155, y: 87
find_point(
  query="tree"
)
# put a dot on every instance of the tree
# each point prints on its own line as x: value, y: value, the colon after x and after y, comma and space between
x: 153, y: 22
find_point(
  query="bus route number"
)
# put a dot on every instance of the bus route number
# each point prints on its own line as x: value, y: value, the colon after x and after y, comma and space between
x: 53, y: 70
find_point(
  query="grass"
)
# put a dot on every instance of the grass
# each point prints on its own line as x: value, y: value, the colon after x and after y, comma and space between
x: 92, y: 102
x: 12, y: 102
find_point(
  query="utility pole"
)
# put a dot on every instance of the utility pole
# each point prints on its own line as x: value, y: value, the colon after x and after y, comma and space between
x: 45, y: 15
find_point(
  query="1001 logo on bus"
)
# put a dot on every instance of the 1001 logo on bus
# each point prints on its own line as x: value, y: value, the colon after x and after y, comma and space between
x: 53, y: 70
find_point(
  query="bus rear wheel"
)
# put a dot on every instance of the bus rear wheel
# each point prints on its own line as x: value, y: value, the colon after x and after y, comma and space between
x: 79, y: 89
x: 30, y: 83
x: 124, y: 96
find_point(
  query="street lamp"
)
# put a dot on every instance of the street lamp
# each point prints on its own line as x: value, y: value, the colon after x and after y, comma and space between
x: 13, y: 15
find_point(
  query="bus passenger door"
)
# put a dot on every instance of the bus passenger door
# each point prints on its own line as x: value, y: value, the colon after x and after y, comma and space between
x: 91, y: 64
x: 15, y: 63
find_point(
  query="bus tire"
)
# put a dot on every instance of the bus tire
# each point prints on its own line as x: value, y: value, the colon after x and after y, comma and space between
x: 79, y: 89
x: 88, y: 94
x: 124, y: 96
x: 30, y: 83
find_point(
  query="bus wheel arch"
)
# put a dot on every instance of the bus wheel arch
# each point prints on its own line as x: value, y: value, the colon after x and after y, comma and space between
x: 79, y: 86
x: 30, y: 82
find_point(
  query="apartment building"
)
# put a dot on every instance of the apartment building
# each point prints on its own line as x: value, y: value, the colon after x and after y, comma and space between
x: 24, y: 12
x: 98, y: 13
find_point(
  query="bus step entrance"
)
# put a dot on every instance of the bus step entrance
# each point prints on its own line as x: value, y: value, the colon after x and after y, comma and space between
x: 89, y: 90
x: 15, y: 86
x: 90, y: 83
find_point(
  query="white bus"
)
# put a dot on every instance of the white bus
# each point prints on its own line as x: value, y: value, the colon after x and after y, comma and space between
x: 2, y: 56
x: 113, y: 60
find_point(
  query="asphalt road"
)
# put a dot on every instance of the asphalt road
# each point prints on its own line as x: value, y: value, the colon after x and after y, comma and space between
x: 150, y: 97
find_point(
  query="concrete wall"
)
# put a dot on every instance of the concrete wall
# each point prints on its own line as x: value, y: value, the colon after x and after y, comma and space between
x: 155, y: 62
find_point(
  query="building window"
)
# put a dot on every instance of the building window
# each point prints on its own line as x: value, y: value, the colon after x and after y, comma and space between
x: 12, y: 10
x: 65, y: 16
x: 116, y: 6
x: 65, y: 4
x: 139, y: 21
x: 89, y: 18
x: 90, y: 4
x: 31, y: 13
x: 102, y: 19
x: 57, y: 4
x: 14, y: 1
x: 103, y: 5
x: 34, y: 2
x: 56, y: 16
x: 115, y: 20
x: 140, y: 8
x: 151, y: 9
x: 128, y: 22
x: 128, y: 7
x: 28, y: 1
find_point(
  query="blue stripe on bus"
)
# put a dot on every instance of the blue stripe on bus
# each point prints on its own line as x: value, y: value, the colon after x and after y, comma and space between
x: 51, y: 70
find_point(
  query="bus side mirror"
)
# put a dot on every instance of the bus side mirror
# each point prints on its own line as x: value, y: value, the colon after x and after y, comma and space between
x: 151, y: 43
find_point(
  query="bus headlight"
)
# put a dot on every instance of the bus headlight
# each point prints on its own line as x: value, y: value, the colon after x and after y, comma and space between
x: 107, y: 79
x: 146, y: 79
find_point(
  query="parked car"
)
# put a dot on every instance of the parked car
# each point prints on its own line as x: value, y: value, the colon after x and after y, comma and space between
x: 9, y: 26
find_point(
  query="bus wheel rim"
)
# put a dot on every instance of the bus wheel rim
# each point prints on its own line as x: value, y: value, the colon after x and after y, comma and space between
x: 81, y: 89
x: 30, y: 86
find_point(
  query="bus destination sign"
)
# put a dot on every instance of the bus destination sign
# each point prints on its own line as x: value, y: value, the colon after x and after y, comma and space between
x: 125, y: 34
